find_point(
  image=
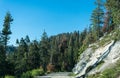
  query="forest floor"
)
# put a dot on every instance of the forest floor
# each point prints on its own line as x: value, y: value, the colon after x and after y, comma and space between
x: 57, y: 75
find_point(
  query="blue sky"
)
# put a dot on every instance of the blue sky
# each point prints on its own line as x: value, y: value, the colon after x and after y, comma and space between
x: 32, y: 17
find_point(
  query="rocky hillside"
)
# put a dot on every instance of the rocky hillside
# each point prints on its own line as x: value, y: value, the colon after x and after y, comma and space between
x: 99, y: 57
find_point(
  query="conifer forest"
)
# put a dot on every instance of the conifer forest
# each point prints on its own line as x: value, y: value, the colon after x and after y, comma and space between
x: 55, y: 53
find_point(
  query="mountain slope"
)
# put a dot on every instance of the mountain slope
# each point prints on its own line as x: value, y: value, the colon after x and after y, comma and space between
x: 99, y: 56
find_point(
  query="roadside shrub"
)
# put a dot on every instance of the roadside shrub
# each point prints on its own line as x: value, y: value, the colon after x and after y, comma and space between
x: 37, y: 72
x: 32, y: 73
x: 9, y: 76
x: 27, y: 75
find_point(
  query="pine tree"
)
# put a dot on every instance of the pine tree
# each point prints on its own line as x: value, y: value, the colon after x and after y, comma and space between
x: 17, y: 41
x: 21, y: 64
x: 6, y: 29
x: 4, y: 37
x: 1, y: 39
x: 33, y: 55
x: 44, y: 50
x: 114, y: 7
x: 27, y: 39
x: 97, y: 18
x: 71, y: 59
x: 108, y: 22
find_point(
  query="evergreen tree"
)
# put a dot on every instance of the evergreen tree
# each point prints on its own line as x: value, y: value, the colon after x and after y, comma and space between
x: 27, y: 39
x: 4, y: 37
x: 114, y: 7
x: 6, y: 29
x: 21, y: 64
x: 75, y: 46
x: 1, y: 39
x: 108, y: 22
x: 97, y: 18
x: 71, y: 59
x: 33, y: 55
x: 17, y: 41
x: 44, y: 50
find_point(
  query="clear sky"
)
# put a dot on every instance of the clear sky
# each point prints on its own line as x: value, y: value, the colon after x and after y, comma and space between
x: 32, y: 17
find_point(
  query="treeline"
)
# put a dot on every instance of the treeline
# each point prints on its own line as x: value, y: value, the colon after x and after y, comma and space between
x: 53, y: 54
x: 59, y: 52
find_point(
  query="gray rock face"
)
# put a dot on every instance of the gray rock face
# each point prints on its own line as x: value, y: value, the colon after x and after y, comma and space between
x: 110, y: 53
x: 84, y: 59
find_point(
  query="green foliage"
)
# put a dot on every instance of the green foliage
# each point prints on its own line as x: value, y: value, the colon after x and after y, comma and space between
x: 8, y: 76
x: 82, y: 49
x: 109, y: 73
x: 34, y: 55
x: 44, y: 50
x: 116, y: 34
x: 27, y: 75
x: 94, y: 75
x: 71, y: 74
x: 95, y: 30
x: 31, y: 55
x: 33, y: 73
x: 37, y: 72
x: 2, y: 60
x: 6, y: 28
x: 94, y: 47
x: 4, y: 37
x: 97, y: 19
x: 21, y: 62
x: 113, y: 6
x: 106, y: 39
x: 7, y: 21
x: 108, y: 22
x: 61, y: 50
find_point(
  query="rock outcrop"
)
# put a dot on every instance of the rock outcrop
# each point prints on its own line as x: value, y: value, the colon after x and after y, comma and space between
x: 91, y: 58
